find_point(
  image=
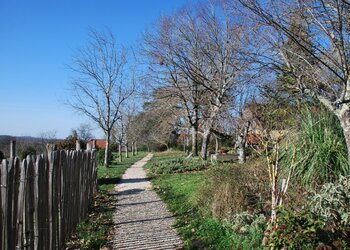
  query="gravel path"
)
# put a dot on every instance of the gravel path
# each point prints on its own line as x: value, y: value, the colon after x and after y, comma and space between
x: 141, y: 218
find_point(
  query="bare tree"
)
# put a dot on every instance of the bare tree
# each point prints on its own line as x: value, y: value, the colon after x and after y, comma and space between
x: 84, y: 132
x: 324, y: 48
x: 100, y: 86
x: 200, y: 54
x: 168, y: 50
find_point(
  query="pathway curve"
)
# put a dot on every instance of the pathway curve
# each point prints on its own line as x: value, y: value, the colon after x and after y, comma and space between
x: 142, y: 219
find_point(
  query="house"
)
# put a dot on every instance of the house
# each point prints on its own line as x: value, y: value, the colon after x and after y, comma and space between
x: 100, y: 143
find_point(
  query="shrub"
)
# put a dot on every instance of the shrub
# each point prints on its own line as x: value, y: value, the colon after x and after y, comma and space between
x: 305, y: 230
x: 177, y: 165
x: 322, y: 153
x: 242, y: 222
x: 332, y: 203
x: 233, y: 188
x: 323, y: 223
x: 101, y: 157
x: 28, y: 150
x: 294, y: 231
x: 67, y: 144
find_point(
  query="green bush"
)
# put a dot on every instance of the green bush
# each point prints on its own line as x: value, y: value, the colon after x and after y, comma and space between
x: 247, y: 230
x: 321, y: 149
x: 305, y: 230
x: 294, y: 231
x: 28, y: 150
x: 101, y: 157
x: 324, y: 223
x: 332, y: 203
x: 242, y: 222
x: 177, y: 165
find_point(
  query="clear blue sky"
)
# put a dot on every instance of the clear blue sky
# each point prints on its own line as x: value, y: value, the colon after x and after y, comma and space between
x: 37, y: 41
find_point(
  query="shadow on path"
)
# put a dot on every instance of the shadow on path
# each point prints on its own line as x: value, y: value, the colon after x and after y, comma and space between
x: 146, y: 220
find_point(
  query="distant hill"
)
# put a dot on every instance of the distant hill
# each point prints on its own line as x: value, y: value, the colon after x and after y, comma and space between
x: 22, y: 142
x: 28, y: 139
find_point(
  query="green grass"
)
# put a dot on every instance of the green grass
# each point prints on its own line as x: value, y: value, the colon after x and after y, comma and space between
x: 183, y: 193
x: 93, y: 232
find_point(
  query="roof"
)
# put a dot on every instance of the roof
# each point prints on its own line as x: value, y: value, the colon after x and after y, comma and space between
x: 100, y: 143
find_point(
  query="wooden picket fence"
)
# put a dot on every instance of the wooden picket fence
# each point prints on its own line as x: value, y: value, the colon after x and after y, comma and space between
x: 44, y: 197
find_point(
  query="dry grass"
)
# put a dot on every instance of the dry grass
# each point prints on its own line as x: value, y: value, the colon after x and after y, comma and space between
x: 234, y: 188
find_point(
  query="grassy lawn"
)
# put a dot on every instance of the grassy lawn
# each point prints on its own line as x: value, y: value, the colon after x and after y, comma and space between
x: 93, y: 232
x: 183, y: 193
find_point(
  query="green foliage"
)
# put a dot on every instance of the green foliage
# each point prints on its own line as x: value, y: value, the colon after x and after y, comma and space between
x: 241, y: 222
x: 183, y: 193
x: 177, y: 165
x: 213, y: 234
x: 332, y: 203
x: 92, y: 232
x: 27, y: 150
x: 67, y: 144
x: 305, y: 230
x: 294, y: 231
x: 247, y: 230
x: 322, y: 153
x: 101, y: 157
x: 323, y: 223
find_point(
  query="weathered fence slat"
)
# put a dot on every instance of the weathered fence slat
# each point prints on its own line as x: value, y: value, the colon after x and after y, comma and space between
x: 43, y: 198
x: 21, y: 204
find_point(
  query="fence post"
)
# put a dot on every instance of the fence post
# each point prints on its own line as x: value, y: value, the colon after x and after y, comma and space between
x: 13, y: 149
x: 77, y: 145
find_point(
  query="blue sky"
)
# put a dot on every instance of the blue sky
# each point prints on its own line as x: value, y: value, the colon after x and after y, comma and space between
x: 37, y: 41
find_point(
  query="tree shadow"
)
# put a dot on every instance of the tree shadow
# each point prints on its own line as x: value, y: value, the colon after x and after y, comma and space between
x: 129, y: 192
x: 132, y: 180
x: 118, y: 180
x: 145, y: 220
x: 105, y: 181
x: 137, y: 203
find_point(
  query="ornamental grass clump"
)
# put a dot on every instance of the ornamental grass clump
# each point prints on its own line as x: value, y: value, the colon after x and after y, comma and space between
x: 322, y: 154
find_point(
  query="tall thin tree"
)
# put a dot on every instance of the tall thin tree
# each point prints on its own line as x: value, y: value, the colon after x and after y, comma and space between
x: 100, y: 85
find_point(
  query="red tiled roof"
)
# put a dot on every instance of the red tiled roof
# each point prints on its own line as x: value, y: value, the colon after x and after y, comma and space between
x: 100, y: 143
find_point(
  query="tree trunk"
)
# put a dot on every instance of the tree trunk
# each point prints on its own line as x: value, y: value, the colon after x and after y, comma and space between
x: 241, y: 144
x: 126, y: 150
x: 194, y: 131
x: 120, y: 152
x: 343, y: 114
x: 184, y: 145
x: 106, y: 162
x: 344, y: 118
x: 133, y: 148
x: 206, y: 137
